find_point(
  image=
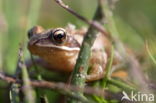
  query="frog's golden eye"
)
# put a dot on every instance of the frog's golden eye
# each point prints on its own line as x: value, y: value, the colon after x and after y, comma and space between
x: 59, y: 35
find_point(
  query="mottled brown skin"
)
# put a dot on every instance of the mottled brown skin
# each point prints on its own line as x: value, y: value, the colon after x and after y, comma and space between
x: 60, y: 47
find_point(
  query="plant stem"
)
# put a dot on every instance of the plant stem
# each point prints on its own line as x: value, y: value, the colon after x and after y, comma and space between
x: 81, y: 67
x: 14, y: 93
x: 120, y: 84
x: 129, y: 59
x: 27, y: 89
x: 108, y: 69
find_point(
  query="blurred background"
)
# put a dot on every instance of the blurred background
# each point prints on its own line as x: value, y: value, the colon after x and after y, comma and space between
x: 135, y: 21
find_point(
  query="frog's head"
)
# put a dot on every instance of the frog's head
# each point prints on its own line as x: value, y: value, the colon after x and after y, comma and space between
x: 52, y: 44
x: 53, y: 39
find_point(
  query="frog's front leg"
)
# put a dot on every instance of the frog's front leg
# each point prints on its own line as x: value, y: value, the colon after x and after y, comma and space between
x: 97, y: 65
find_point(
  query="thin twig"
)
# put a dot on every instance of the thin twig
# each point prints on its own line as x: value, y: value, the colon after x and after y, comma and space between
x: 95, y: 24
x: 57, y: 86
x: 53, y: 85
x: 7, y: 78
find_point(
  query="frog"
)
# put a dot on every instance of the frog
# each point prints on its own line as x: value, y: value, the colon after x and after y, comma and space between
x: 60, y: 47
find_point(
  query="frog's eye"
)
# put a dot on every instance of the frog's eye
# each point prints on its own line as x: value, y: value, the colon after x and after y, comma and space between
x: 59, y: 35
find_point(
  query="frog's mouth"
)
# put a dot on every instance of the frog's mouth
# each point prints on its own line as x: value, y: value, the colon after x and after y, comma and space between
x: 59, y: 47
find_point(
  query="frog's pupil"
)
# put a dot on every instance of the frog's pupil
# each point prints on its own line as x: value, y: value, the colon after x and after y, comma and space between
x: 59, y: 36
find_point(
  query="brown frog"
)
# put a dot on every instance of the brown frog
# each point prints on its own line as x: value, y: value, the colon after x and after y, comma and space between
x: 60, y: 47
